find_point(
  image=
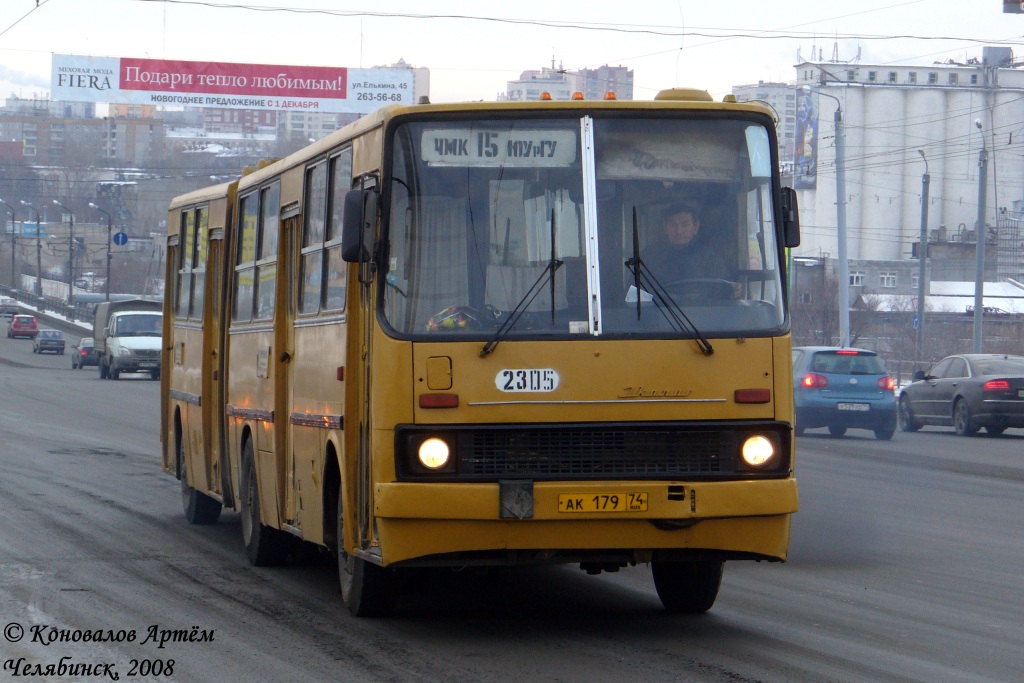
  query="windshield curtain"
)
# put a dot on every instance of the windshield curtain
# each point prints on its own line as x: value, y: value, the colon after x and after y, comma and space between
x: 488, y: 228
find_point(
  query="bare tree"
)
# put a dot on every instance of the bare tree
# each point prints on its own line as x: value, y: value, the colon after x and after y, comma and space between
x: 814, y: 311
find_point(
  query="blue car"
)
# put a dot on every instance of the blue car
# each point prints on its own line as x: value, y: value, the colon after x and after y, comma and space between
x: 843, y: 388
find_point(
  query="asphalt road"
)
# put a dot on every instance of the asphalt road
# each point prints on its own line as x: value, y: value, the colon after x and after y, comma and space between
x: 905, y: 566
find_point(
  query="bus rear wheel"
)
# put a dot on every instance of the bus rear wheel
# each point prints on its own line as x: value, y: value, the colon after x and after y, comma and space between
x: 687, y: 587
x: 366, y: 589
x: 199, y: 508
x: 264, y: 545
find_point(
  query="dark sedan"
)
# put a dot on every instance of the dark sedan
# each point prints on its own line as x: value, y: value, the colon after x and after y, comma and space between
x: 967, y: 392
x: 84, y: 353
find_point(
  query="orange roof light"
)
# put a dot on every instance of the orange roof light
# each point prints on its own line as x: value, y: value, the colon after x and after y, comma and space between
x: 577, y: 95
x: 545, y: 96
x: 610, y: 95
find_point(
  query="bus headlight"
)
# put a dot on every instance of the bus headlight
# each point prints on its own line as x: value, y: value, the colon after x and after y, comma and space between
x: 758, y: 451
x: 434, y: 453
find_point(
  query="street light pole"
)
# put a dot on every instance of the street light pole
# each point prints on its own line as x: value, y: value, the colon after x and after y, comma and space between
x: 844, y: 263
x: 110, y: 225
x: 71, y: 253
x: 922, y: 254
x: 13, y: 244
x: 981, y: 233
x: 39, y: 251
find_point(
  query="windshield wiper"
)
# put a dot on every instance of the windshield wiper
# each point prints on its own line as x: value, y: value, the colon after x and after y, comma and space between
x: 644, y: 280
x: 546, y: 276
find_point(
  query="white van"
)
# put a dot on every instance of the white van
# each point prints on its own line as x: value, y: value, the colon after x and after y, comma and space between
x: 8, y: 307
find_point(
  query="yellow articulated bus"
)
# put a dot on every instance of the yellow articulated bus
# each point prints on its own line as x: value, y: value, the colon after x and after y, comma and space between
x: 493, y: 334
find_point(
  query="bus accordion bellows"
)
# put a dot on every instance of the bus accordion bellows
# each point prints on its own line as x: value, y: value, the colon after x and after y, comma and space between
x: 439, y: 337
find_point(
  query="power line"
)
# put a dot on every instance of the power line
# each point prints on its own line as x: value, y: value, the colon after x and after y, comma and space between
x: 643, y: 29
x: 24, y: 16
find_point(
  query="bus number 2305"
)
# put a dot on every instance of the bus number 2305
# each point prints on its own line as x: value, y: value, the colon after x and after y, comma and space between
x: 526, y: 380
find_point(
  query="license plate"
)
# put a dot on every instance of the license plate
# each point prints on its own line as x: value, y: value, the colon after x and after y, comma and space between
x: 147, y: 365
x: 630, y: 501
x: 1020, y: 393
x: 854, y: 406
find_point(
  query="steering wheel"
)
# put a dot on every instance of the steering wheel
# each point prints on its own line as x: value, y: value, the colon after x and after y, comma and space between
x: 699, y: 289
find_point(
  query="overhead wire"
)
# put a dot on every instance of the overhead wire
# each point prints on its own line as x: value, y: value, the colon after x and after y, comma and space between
x: 39, y: 3
x: 644, y: 29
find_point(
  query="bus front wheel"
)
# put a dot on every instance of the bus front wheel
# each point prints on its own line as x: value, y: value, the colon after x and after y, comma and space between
x: 687, y: 587
x: 366, y: 589
x: 264, y: 545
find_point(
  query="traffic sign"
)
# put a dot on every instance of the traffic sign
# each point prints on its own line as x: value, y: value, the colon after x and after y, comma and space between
x: 120, y: 238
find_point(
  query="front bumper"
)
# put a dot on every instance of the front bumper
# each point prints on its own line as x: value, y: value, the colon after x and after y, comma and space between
x: 126, y: 364
x: 748, y: 519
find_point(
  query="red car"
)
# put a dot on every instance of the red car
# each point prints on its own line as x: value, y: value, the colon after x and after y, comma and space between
x: 22, y: 326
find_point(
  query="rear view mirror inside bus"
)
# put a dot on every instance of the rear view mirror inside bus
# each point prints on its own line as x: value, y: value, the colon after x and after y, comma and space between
x: 357, y: 231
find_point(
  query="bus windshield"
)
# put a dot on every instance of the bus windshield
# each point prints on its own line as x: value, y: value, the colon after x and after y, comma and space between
x: 657, y: 226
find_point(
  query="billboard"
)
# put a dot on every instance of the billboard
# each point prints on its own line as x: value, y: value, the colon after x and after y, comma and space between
x: 125, y: 80
x: 805, y: 147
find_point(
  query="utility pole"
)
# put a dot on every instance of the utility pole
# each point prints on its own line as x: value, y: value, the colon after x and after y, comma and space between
x: 13, y: 243
x: 844, y: 263
x: 71, y: 254
x: 922, y: 254
x: 981, y: 234
x: 109, y: 228
x: 39, y: 251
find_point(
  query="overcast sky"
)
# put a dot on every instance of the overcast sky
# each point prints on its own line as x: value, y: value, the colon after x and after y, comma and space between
x: 472, y: 48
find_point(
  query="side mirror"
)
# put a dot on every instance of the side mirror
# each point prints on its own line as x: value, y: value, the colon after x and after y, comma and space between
x: 360, y: 213
x: 790, y: 217
x: 919, y: 375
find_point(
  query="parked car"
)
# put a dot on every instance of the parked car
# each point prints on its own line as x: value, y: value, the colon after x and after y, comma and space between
x: 967, y: 392
x: 8, y: 307
x: 83, y: 353
x: 988, y: 310
x: 843, y: 388
x: 22, y: 326
x: 48, y: 341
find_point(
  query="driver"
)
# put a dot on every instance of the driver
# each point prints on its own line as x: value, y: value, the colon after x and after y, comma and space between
x: 684, y: 254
